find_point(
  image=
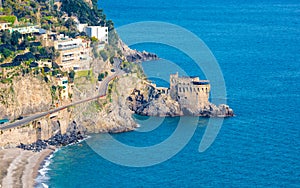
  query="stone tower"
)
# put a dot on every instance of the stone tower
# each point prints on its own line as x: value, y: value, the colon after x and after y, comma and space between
x: 190, y: 92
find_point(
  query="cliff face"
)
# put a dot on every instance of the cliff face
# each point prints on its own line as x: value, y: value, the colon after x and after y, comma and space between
x: 25, y: 95
x: 149, y: 102
x: 117, y: 116
x: 110, y: 114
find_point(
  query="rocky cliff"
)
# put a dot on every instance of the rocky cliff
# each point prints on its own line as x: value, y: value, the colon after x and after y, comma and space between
x: 25, y: 95
x: 148, y: 101
x: 110, y: 114
x: 135, y: 55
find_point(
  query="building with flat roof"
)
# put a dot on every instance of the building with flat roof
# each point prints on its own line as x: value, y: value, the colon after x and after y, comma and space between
x: 73, y: 52
x: 190, y: 92
x: 26, y: 30
x: 101, y: 33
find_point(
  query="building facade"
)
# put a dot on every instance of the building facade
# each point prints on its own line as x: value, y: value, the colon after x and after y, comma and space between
x: 73, y: 53
x: 101, y: 33
x: 4, y: 26
x: 81, y: 27
x: 190, y: 92
x: 64, y: 84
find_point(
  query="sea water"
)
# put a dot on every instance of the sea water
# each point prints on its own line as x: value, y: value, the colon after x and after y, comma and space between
x: 256, y: 44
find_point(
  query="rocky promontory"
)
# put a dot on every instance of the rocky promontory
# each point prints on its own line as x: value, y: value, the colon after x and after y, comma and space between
x: 135, y: 55
x: 150, y: 102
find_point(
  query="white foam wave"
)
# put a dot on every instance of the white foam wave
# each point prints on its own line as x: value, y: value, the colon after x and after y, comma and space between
x: 43, y: 178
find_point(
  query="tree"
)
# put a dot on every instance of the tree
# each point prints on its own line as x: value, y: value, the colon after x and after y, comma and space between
x: 46, y: 79
x: 70, y: 24
x: 103, y: 55
x: 110, y: 25
x: 94, y: 39
x: 100, y: 77
x: 15, y: 38
x: 6, y: 53
x: 6, y: 37
x: 25, y: 42
x: 33, y: 49
x: 83, y: 34
x: 54, y: 73
x: 72, y: 75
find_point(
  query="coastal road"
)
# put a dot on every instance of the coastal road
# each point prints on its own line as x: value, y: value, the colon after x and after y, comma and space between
x: 102, y: 92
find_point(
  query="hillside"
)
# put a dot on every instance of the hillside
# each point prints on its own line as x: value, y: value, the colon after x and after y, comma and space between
x: 54, y: 13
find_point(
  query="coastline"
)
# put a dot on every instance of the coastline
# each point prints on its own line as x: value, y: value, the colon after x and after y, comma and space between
x: 20, y: 168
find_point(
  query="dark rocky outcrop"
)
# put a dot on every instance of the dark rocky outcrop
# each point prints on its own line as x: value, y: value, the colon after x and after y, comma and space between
x: 75, y: 133
x: 137, y: 56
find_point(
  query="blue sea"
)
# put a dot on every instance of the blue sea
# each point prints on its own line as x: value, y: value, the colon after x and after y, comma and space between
x: 257, y: 46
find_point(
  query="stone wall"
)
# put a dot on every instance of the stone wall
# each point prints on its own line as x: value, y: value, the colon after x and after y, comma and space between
x: 13, y: 137
x: 190, y: 92
x: 41, y: 129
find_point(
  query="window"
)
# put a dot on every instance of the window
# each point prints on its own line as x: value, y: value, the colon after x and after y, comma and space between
x: 180, y: 89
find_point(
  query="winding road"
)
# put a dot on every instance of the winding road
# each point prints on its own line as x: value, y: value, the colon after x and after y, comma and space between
x: 102, y: 92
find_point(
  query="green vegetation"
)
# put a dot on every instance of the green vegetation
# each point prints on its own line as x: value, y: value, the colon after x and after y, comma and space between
x: 72, y: 76
x: 13, y: 44
x: 83, y: 73
x: 131, y: 67
x: 85, y: 13
x: 101, y: 76
x: 104, y: 55
x: 88, y: 74
x: 9, y: 19
x: 26, y: 10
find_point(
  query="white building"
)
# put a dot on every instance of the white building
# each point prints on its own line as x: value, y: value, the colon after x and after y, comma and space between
x: 45, y: 63
x: 26, y: 30
x: 63, y: 82
x: 4, y: 26
x: 73, y: 53
x: 101, y: 33
x: 81, y: 27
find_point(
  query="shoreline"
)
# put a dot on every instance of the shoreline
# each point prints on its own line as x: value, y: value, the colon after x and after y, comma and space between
x: 40, y: 165
x: 20, y: 168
